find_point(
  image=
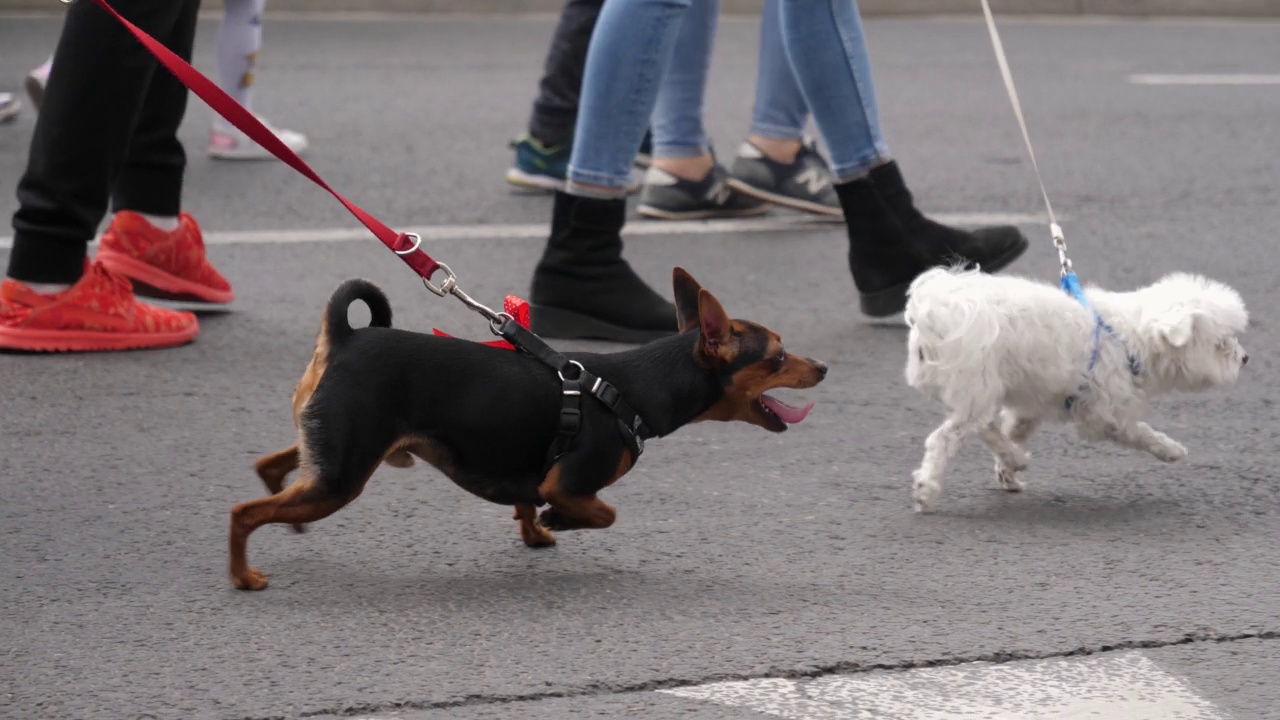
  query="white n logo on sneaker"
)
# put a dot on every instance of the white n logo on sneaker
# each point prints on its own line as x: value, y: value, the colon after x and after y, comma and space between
x: 813, y: 180
x: 719, y: 193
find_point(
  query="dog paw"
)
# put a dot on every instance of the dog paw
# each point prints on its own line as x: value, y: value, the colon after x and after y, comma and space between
x: 536, y: 536
x: 550, y: 519
x: 250, y: 579
x: 924, y: 492
x: 1017, y: 461
x: 553, y: 519
x: 1007, y: 478
x: 1171, y: 452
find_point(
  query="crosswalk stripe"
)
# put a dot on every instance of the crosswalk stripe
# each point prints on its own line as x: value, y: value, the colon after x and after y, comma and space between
x: 1119, y: 686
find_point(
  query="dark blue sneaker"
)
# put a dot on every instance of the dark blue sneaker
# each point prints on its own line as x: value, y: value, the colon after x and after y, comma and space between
x: 668, y: 197
x: 804, y: 184
x: 539, y: 167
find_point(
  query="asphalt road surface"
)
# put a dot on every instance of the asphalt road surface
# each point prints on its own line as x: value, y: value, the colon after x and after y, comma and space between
x: 749, y: 575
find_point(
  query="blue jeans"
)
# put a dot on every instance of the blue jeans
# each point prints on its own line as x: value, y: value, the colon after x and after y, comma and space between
x: 633, y: 45
x: 780, y: 110
x: 677, y: 117
x: 828, y: 52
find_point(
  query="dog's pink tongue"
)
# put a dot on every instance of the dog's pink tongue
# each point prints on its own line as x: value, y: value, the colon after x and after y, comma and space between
x: 789, y: 415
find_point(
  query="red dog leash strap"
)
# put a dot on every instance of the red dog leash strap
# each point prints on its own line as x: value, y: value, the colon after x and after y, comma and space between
x: 399, y: 243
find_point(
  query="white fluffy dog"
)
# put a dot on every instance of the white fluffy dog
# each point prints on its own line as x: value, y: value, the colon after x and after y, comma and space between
x: 1005, y: 353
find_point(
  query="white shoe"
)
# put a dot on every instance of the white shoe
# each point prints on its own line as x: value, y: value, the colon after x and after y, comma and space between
x: 229, y: 143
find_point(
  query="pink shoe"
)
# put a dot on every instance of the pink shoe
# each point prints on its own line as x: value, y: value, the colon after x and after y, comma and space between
x: 226, y: 142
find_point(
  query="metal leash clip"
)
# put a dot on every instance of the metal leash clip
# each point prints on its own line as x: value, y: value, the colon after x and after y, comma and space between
x: 1060, y: 242
x: 1055, y: 230
x: 449, y: 286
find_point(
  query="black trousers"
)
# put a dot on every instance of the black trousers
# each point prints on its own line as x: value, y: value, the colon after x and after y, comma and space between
x: 106, y: 134
x: 555, y: 111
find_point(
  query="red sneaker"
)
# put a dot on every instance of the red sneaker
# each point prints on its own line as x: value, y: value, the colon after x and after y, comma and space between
x: 99, y: 312
x: 163, y: 264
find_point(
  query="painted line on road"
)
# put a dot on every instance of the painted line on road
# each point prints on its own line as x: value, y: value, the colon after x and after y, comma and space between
x: 1125, y: 686
x: 538, y: 231
x: 1194, y: 79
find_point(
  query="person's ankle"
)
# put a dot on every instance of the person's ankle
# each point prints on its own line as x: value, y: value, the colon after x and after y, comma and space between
x: 779, y: 150
x: 693, y: 167
x: 594, y: 191
x: 166, y: 223
x: 44, y: 288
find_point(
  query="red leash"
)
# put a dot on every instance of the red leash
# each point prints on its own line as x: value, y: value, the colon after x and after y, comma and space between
x: 511, y: 325
x: 405, y: 245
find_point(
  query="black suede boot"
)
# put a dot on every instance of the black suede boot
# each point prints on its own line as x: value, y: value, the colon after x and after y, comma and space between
x: 582, y: 288
x: 891, y: 242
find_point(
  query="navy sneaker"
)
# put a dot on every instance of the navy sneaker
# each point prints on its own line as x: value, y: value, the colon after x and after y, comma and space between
x: 803, y: 184
x: 668, y: 197
x: 539, y: 167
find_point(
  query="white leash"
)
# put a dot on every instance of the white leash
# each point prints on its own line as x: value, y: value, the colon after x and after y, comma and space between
x: 1059, y: 240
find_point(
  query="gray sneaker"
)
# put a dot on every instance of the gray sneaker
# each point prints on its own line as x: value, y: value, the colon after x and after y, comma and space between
x: 804, y: 184
x: 668, y: 197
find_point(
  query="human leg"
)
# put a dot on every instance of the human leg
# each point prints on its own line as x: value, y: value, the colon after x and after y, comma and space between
x: 49, y: 301
x: 555, y: 110
x: 777, y: 163
x: 542, y: 153
x: 238, y: 45
x: 582, y: 287
x: 685, y: 182
x: 891, y: 242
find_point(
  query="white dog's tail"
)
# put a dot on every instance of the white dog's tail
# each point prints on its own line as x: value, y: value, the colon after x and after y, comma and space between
x: 953, y: 327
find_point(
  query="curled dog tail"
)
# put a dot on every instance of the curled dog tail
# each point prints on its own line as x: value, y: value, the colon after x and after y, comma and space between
x: 336, y: 326
x: 953, y: 325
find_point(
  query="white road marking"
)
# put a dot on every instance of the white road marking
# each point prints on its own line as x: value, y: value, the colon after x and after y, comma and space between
x: 1123, y: 686
x: 1194, y: 79
x: 538, y: 231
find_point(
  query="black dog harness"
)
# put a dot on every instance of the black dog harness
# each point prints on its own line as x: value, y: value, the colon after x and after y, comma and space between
x: 575, y: 380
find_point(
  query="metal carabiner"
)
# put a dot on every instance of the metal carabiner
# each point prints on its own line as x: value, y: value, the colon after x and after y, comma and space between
x: 1060, y: 244
x: 445, y: 288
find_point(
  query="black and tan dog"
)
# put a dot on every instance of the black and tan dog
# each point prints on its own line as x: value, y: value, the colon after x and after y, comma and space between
x: 486, y: 417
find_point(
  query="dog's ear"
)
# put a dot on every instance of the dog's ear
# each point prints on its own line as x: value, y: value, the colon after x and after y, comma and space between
x: 686, y: 293
x: 1178, y: 327
x: 715, y: 324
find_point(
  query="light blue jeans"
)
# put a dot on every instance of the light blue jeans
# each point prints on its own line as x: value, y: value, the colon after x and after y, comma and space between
x: 780, y: 110
x: 634, y: 43
x: 677, y: 117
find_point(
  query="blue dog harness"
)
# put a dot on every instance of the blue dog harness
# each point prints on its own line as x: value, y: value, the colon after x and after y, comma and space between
x: 1071, y: 284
